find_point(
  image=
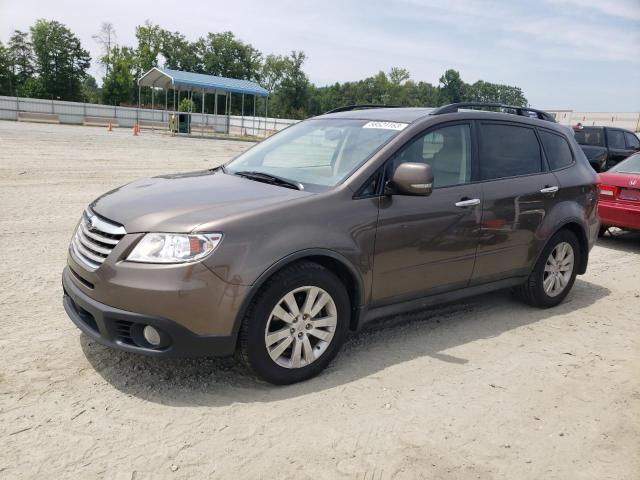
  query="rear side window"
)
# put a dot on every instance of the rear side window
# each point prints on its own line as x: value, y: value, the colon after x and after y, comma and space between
x: 632, y: 140
x: 508, y: 151
x: 556, y: 149
x: 616, y: 139
x: 590, y: 136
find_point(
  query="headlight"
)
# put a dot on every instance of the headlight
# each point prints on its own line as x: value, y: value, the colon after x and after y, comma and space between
x: 174, y: 247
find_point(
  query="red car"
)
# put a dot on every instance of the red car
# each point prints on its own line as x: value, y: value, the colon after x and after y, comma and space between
x: 619, y: 204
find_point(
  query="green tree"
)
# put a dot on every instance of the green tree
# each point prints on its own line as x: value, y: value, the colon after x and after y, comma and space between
x: 21, y: 55
x: 272, y: 72
x: 292, y: 99
x: 149, y: 44
x: 60, y: 61
x: 224, y: 55
x: 398, y: 75
x: 6, y: 74
x: 482, y: 91
x: 178, y: 52
x: 90, y: 91
x: 106, y: 39
x: 118, y: 87
x: 186, y: 105
x: 452, y: 88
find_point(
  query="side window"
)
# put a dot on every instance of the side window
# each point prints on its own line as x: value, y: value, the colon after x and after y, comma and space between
x: 446, y: 149
x: 632, y: 141
x: 508, y: 151
x: 557, y: 150
x: 616, y: 139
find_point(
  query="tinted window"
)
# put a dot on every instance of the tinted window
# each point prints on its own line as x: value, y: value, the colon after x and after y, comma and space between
x: 508, y: 151
x: 616, y: 139
x: 556, y: 149
x: 630, y: 165
x: 590, y: 136
x: 447, y: 150
x: 632, y: 140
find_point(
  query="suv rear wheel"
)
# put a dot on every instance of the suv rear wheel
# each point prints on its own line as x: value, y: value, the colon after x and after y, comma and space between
x: 295, y: 325
x: 554, y: 273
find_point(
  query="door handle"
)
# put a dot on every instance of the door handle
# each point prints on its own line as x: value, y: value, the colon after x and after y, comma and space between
x: 471, y: 202
x: 553, y: 189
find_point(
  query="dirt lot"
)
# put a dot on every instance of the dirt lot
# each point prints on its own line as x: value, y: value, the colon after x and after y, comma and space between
x: 488, y: 388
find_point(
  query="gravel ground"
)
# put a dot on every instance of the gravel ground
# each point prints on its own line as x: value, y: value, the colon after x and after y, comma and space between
x: 487, y: 388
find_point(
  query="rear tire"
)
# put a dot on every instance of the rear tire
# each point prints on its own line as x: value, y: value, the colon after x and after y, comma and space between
x: 295, y: 325
x: 554, y: 273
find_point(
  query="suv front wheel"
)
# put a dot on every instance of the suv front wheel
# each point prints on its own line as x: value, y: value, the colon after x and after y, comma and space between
x: 554, y: 273
x: 295, y: 325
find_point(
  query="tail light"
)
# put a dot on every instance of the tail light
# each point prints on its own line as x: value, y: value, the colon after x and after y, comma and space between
x: 608, y: 191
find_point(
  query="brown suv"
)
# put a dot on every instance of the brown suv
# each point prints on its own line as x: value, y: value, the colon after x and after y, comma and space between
x: 329, y: 224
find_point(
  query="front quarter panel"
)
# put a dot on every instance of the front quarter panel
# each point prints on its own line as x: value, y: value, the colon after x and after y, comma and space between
x: 333, y: 221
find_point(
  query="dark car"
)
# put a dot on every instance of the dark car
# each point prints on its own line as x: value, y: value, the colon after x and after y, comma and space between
x: 606, y: 146
x: 328, y: 225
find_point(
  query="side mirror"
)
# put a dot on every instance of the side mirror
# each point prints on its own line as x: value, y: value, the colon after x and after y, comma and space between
x: 411, y: 179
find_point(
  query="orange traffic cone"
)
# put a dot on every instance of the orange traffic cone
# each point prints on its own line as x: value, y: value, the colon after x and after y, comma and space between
x: 135, y: 129
x: 109, y: 129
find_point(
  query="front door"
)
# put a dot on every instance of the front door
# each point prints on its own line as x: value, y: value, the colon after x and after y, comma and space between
x: 427, y: 245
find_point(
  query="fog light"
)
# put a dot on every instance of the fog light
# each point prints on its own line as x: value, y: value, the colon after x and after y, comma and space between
x: 151, y: 335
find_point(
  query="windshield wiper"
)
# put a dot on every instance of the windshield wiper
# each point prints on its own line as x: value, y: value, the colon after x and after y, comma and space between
x: 272, y: 179
x: 219, y: 167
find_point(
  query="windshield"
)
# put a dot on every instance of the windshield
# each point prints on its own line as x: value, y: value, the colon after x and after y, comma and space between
x: 319, y: 152
x: 590, y: 136
x: 630, y: 165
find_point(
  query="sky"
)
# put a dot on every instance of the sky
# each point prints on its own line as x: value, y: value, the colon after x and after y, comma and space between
x: 581, y: 55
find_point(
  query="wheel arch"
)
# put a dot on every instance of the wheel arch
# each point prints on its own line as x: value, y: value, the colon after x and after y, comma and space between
x: 332, y: 261
x: 574, y: 226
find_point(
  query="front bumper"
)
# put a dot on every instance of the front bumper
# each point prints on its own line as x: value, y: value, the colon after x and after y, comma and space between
x: 122, y: 329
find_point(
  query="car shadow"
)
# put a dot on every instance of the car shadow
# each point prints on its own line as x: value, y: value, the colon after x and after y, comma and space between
x: 620, y: 240
x: 392, y: 341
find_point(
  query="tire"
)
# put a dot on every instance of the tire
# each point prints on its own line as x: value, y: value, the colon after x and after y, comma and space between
x: 533, y: 291
x: 295, y: 283
x: 602, y: 231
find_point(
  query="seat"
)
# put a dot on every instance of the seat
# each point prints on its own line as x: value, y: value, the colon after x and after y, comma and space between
x: 449, y: 163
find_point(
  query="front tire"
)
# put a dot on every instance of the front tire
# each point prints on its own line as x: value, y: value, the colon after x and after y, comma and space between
x: 554, y: 273
x: 295, y: 325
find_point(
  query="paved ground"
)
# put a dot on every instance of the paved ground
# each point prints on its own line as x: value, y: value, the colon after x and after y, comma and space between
x: 488, y: 388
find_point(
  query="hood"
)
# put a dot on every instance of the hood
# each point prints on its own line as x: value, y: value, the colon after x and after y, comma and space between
x: 623, y: 180
x: 179, y: 203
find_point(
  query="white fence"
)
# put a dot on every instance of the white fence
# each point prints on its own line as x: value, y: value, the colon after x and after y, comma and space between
x: 83, y: 113
x: 628, y: 120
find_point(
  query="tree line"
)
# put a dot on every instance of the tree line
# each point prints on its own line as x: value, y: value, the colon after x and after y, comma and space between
x: 49, y: 61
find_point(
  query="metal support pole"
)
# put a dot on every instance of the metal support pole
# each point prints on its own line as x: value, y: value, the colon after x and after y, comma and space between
x: 253, y: 123
x: 266, y: 111
x: 202, y: 119
x: 166, y: 105
x: 215, y: 111
x: 138, y: 111
x: 153, y: 113
x: 242, y: 117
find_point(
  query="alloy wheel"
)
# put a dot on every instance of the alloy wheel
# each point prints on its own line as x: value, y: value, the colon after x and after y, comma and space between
x: 300, y: 327
x: 558, y: 269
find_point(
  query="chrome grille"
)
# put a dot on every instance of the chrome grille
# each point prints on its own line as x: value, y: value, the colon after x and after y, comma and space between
x: 94, y: 239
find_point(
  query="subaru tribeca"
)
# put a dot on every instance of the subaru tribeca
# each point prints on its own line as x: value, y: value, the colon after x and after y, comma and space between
x: 336, y: 221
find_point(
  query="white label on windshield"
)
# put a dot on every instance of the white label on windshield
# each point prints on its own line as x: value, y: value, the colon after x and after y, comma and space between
x: 386, y: 125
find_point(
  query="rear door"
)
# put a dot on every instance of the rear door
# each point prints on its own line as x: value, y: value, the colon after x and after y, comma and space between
x: 427, y: 245
x: 517, y: 191
x: 618, y: 149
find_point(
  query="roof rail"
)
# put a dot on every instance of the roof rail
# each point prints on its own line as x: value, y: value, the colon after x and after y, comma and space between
x: 348, y: 108
x: 523, y: 111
